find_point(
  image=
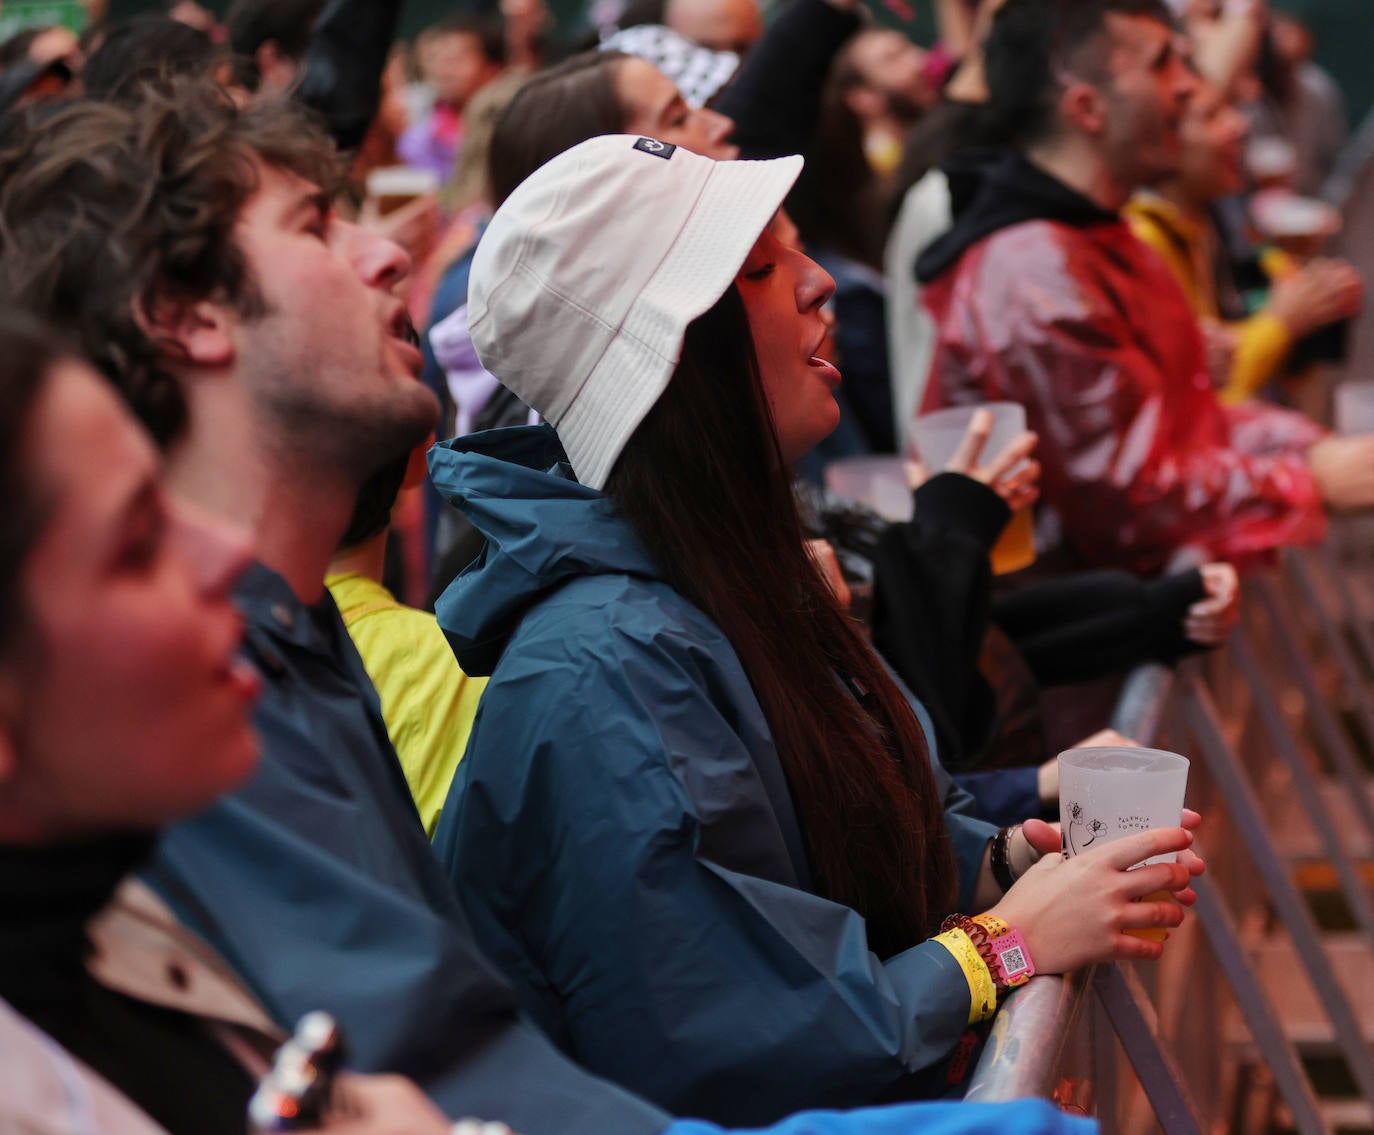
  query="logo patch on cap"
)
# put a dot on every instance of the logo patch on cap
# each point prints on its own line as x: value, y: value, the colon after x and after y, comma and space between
x: 653, y: 146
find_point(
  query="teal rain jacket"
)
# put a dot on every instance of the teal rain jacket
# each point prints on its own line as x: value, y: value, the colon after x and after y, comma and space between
x: 621, y: 831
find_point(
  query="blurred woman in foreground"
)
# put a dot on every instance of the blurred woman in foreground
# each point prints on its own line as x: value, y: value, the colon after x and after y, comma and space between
x: 123, y: 706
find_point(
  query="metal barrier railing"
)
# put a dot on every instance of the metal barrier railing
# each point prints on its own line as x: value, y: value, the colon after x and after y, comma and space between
x: 1023, y: 1054
x: 1017, y: 1061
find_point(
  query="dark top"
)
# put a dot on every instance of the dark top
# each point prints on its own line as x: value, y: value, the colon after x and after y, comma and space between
x: 775, y: 99
x: 933, y: 605
x: 164, y: 1060
x: 316, y: 883
x: 992, y: 190
x: 341, y: 74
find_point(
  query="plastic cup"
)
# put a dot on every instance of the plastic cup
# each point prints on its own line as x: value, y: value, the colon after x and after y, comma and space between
x: 1272, y: 162
x: 1108, y: 793
x: 1355, y: 408
x: 878, y: 482
x: 935, y: 437
x: 394, y: 187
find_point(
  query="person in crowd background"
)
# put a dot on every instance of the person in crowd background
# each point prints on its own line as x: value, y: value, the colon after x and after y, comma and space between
x: 721, y: 25
x: 458, y: 57
x: 884, y: 80
x: 1297, y: 104
x: 274, y: 34
x: 877, y: 88
x: 1143, y: 464
x: 1175, y: 219
x: 328, y: 54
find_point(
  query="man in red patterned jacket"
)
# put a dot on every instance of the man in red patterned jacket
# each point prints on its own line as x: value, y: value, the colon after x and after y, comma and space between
x: 1042, y: 296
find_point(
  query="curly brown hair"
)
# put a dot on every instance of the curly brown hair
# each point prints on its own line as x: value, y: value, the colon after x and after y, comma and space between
x: 105, y: 210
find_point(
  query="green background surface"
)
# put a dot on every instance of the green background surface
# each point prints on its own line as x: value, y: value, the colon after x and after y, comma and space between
x: 1344, y: 31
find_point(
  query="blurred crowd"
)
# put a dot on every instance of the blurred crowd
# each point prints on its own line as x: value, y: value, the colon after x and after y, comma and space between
x: 481, y: 560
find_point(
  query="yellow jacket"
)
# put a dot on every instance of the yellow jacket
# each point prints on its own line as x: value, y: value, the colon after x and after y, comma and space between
x: 1263, y: 341
x: 428, y: 703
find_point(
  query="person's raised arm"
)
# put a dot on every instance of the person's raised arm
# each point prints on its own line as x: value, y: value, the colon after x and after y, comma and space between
x: 775, y: 99
x: 341, y: 73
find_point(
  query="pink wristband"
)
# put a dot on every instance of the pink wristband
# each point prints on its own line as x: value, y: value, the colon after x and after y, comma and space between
x: 1014, y: 963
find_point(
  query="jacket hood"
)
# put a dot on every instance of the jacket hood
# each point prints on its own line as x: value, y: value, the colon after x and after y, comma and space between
x: 542, y: 529
x: 991, y: 190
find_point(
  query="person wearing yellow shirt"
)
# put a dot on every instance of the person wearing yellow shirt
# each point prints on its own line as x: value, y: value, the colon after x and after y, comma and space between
x: 428, y: 703
x: 1174, y: 220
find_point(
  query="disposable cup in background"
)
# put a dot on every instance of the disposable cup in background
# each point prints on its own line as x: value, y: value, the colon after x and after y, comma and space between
x: 396, y: 186
x: 1272, y: 162
x: 935, y: 437
x: 878, y: 482
x: 1355, y: 408
x: 1108, y: 793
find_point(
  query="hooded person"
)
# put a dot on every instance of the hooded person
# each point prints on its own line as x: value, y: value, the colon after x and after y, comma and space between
x: 698, y: 825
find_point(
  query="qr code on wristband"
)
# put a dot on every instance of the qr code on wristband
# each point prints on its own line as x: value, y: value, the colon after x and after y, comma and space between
x: 1014, y: 962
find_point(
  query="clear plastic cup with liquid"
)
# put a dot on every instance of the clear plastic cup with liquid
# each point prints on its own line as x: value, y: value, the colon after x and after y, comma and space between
x: 1111, y: 792
x: 935, y: 437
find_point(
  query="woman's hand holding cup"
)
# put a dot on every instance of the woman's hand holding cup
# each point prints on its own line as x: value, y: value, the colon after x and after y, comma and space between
x: 1075, y: 912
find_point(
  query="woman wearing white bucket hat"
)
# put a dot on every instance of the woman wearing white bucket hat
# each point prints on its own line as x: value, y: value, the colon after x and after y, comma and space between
x: 697, y: 823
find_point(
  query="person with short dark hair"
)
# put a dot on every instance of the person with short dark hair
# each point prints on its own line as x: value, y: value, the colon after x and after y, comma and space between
x: 1178, y: 220
x: 329, y: 54
x: 150, y: 46
x: 458, y: 57
x: 1042, y: 295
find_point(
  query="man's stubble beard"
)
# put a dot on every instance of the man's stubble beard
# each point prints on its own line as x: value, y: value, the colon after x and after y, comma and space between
x: 345, y: 442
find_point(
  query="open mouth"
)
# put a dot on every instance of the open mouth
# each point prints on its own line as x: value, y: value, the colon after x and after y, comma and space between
x: 828, y: 370
x: 402, y: 329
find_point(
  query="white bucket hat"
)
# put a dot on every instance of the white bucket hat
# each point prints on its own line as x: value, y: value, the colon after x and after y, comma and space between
x: 587, y: 277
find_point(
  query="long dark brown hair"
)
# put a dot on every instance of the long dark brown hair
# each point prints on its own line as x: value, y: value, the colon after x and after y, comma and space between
x: 703, y: 485
x: 556, y: 109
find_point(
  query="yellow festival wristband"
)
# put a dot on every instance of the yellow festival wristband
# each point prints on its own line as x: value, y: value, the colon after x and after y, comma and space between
x: 982, y: 991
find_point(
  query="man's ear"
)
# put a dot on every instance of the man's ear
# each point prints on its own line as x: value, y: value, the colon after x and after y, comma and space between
x: 198, y: 332
x: 1084, y: 107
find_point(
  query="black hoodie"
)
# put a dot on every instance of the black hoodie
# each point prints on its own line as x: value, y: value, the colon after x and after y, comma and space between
x: 991, y: 190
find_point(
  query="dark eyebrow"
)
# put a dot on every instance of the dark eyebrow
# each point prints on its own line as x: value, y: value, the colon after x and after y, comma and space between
x: 317, y: 202
x: 1162, y: 55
